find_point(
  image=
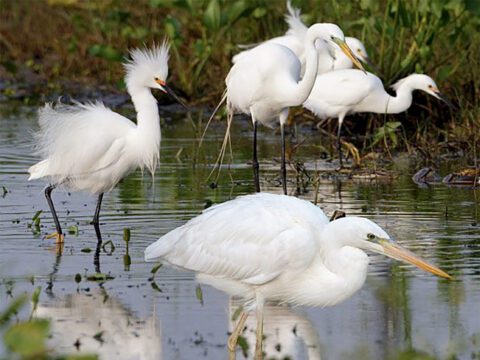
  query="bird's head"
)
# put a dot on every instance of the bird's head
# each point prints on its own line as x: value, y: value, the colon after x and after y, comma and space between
x: 358, y: 49
x: 366, y: 235
x: 424, y: 83
x: 333, y: 36
x: 148, y: 68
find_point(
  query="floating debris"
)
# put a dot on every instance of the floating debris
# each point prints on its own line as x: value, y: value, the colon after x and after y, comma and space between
x: 465, y: 177
x: 126, y: 235
x: 199, y: 294
x: 73, y: 230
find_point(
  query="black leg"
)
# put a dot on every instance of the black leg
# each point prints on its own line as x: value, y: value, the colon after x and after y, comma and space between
x: 97, y: 210
x: 339, y: 144
x: 255, y: 165
x: 96, y: 256
x: 283, y: 165
x: 48, y: 195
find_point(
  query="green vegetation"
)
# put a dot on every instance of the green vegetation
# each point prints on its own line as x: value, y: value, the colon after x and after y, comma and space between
x: 62, y: 44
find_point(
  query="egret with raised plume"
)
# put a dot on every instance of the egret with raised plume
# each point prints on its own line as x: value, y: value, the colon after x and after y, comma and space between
x: 88, y: 147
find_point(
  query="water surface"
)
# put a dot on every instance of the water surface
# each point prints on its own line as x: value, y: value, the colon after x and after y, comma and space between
x: 400, y: 311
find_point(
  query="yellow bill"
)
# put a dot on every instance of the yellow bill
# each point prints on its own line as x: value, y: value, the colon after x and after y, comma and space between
x: 398, y: 252
x: 349, y: 53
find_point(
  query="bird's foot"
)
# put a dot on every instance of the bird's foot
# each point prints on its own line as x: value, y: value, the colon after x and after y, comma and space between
x: 59, y: 238
x: 232, y: 343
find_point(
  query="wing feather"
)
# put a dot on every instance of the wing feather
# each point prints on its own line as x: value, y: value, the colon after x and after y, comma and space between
x: 252, y: 239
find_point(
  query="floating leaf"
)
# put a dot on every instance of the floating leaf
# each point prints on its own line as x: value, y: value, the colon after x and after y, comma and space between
x: 156, y: 268
x: 78, y: 278
x: 37, y: 215
x: 199, y: 294
x: 110, y: 244
x: 86, y: 250
x: 126, y: 234
x: 100, y: 277
x: 73, y: 230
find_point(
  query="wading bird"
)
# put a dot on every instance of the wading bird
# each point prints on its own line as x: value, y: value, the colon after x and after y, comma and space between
x: 274, y: 247
x: 294, y: 39
x: 339, y: 93
x: 88, y: 147
x: 265, y: 82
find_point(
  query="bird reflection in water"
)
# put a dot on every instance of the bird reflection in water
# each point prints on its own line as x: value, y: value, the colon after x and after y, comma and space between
x: 288, y: 334
x: 96, y: 323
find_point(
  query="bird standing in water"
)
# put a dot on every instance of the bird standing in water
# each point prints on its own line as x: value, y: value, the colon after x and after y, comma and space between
x: 88, y: 147
x: 265, y: 81
x: 274, y: 247
x: 339, y: 93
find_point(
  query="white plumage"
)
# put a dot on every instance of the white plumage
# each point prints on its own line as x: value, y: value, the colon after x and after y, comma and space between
x: 332, y: 59
x: 89, y: 147
x: 339, y: 93
x: 265, y: 81
x: 274, y: 247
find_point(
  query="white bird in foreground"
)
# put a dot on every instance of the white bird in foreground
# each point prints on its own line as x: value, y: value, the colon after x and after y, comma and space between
x: 273, y: 247
x: 339, y: 93
x: 88, y: 147
x: 265, y: 82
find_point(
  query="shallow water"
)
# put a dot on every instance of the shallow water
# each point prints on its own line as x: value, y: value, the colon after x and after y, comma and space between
x: 400, y: 311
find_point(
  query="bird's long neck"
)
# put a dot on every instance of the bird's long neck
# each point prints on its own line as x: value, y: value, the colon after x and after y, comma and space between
x: 399, y: 103
x: 304, y: 86
x: 148, y: 127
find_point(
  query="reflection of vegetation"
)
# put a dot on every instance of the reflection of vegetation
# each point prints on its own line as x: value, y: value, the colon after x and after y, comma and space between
x: 27, y: 339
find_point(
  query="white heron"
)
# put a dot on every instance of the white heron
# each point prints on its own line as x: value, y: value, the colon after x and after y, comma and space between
x: 294, y: 39
x: 265, y: 82
x: 274, y: 247
x: 339, y: 93
x: 88, y: 147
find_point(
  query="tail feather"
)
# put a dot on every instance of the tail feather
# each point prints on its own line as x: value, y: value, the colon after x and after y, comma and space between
x: 296, y: 27
x: 38, y: 170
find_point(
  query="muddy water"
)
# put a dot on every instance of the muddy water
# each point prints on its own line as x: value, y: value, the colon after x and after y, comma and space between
x: 399, y: 312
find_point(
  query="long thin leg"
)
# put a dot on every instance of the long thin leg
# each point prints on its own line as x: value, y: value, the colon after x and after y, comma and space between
x: 255, y: 165
x: 96, y: 256
x: 283, y: 165
x: 339, y: 145
x: 97, y: 210
x: 48, y: 195
x: 259, y: 343
x: 233, y: 338
x: 339, y: 142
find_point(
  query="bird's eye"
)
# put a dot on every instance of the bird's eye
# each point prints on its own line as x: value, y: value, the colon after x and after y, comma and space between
x: 371, y: 236
x: 359, y: 50
x: 156, y: 79
x: 430, y: 86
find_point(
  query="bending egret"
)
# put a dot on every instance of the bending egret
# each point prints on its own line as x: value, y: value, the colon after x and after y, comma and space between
x: 274, y: 247
x: 91, y: 148
x: 339, y: 93
x: 265, y: 82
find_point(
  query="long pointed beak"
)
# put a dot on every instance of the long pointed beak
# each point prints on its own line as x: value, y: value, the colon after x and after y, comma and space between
x: 349, y: 53
x: 395, y: 251
x: 170, y: 92
x: 443, y: 98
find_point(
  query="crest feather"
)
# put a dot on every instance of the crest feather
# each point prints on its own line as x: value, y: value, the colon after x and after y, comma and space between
x: 146, y: 63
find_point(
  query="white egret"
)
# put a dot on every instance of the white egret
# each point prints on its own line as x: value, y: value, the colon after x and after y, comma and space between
x: 339, y: 93
x: 88, y: 147
x: 294, y: 39
x: 274, y: 247
x: 265, y: 82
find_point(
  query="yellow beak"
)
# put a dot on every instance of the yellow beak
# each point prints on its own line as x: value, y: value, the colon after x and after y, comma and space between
x: 349, y: 53
x: 398, y: 252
